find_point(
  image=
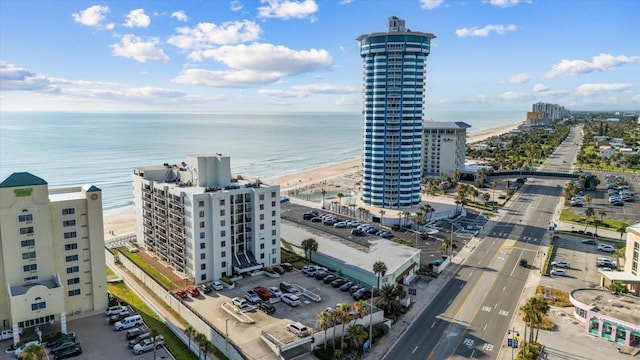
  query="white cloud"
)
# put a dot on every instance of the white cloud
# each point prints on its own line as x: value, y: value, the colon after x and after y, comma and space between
x: 180, y: 15
x: 599, y: 62
x: 137, y: 18
x: 93, y: 17
x: 141, y: 50
x: 592, y: 89
x: 231, y: 79
x: 485, y: 31
x: 297, y: 91
x: 236, y: 5
x: 504, y: 3
x: 13, y: 78
x: 287, y: 9
x: 430, y: 4
x: 346, y: 2
x: 270, y: 58
x: 207, y: 35
x: 540, y: 87
x: 518, y: 78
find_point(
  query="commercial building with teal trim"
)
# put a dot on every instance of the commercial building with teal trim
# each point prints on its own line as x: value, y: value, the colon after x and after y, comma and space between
x: 394, y: 64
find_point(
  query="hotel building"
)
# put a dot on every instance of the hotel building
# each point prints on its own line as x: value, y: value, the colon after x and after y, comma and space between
x: 394, y: 64
x: 552, y: 113
x: 444, y: 147
x: 204, y: 223
x: 52, y: 262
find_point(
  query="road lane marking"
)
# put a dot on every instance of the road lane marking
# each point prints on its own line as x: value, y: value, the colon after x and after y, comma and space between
x: 504, y: 288
x: 414, y: 350
x: 434, y: 324
x: 461, y: 286
x: 485, y: 327
x: 450, y: 301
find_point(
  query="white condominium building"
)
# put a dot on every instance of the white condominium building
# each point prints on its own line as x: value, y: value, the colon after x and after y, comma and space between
x: 444, y: 145
x: 394, y: 65
x: 203, y: 222
x: 52, y: 261
x: 552, y: 112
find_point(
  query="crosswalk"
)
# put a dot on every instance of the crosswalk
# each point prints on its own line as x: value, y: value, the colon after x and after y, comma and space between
x: 505, y: 235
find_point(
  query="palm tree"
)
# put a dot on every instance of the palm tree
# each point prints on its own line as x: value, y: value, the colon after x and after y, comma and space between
x: 360, y: 212
x: 389, y: 299
x: 588, y: 199
x: 360, y: 309
x: 406, y: 215
x: 357, y: 336
x: 343, y: 313
x: 200, y: 339
x: 380, y: 269
x: 209, y: 348
x: 494, y: 185
x: 309, y: 246
x: 153, y: 332
x: 382, y: 212
x: 620, y: 253
x: 34, y: 352
x: 588, y: 213
x: 190, y: 332
x: 540, y: 308
x: 622, y: 229
x: 323, y: 192
x: 527, y: 314
x: 366, y: 214
x: 333, y: 315
x: 324, y: 321
x: 340, y: 196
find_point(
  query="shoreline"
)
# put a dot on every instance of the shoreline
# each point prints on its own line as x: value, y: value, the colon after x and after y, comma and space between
x: 121, y: 221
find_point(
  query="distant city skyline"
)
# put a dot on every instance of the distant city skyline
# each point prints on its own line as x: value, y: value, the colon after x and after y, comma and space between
x: 285, y: 55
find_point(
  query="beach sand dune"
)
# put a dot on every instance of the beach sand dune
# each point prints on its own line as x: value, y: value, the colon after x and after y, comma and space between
x: 122, y: 222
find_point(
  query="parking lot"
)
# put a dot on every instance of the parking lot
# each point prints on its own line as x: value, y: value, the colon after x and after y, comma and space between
x: 582, y: 259
x: 98, y: 341
x: 629, y: 211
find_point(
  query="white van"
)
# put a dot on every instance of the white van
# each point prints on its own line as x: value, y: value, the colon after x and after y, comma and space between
x: 128, y: 322
x: 6, y: 334
x: 298, y: 329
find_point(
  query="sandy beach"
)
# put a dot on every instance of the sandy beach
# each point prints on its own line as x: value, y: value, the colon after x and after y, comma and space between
x: 122, y: 222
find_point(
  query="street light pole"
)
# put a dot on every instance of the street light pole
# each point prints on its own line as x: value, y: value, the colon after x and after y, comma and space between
x: 226, y: 336
x: 371, y: 318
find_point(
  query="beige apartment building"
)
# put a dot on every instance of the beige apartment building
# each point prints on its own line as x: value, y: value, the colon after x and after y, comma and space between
x: 632, y: 255
x: 52, y: 260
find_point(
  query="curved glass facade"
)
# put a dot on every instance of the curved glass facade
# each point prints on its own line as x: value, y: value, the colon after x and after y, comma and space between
x: 394, y: 66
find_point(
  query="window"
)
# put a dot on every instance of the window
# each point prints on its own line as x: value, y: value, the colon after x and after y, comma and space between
x: 261, y: 246
x: 201, y: 224
x: 25, y: 218
x: 273, y: 194
x: 31, y: 278
x: 202, y: 256
x: 71, y: 246
x: 223, y: 243
x: 202, y: 235
x: 26, y: 230
x: 261, y: 196
x: 203, y: 277
x: 261, y: 226
x: 221, y: 202
x: 224, y: 264
x: 71, y: 258
x: 68, y: 211
x: 201, y: 213
x: 70, y: 235
x: 273, y: 223
x: 273, y: 204
x: 261, y: 216
x: 38, y: 306
x: 201, y: 245
x: 223, y: 254
x: 73, y: 281
x: 73, y: 269
x: 28, y: 242
x: 68, y: 223
x: 223, y: 233
x: 223, y: 223
x: 203, y: 266
x: 29, y: 255
x: 30, y: 267
x: 262, y: 256
x: 201, y: 203
x: 221, y: 212
x: 261, y: 206
x: 273, y: 232
x: 74, y: 292
x: 273, y: 251
x: 273, y: 213
x: 273, y: 241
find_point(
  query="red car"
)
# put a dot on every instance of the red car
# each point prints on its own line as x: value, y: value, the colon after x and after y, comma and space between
x: 193, y: 292
x: 264, y: 293
x: 181, y: 294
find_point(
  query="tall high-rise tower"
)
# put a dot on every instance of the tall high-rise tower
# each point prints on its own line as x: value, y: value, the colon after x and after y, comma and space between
x: 394, y: 64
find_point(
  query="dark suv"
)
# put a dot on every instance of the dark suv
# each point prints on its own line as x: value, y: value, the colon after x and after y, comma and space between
x: 287, y: 288
x: 268, y: 308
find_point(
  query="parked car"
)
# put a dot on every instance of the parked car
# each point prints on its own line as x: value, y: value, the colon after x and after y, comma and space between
x: 362, y: 294
x: 6, y: 334
x: 287, y: 266
x: 298, y: 329
x: 561, y: 264
x: 278, y: 269
x: 558, y: 272
x: 60, y: 339
x: 181, y: 294
x: 275, y: 291
x: 386, y: 235
x: 524, y: 263
x: 354, y: 288
x: 589, y: 241
x: 148, y: 345
x: 346, y: 286
x: 193, y: 292
x: 316, y: 219
x: 217, y: 286
x: 240, y: 302
x: 606, y: 248
x: 321, y: 275
x: 135, y: 332
x: 329, y: 278
x: 291, y: 299
x: 338, y: 282
x: 63, y: 346
x: 264, y: 293
x: 115, y: 318
x: 358, y: 232
x: 205, y: 289
x: 68, y: 352
x: 113, y: 310
x: 133, y: 342
x: 266, y: 307
x: 287, y: 288
x: 252, y: 297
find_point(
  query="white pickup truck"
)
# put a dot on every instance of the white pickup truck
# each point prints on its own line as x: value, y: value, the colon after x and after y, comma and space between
x: 6, y: 334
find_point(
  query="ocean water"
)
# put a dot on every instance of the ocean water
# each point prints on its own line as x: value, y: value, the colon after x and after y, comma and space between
x: 71, y: 149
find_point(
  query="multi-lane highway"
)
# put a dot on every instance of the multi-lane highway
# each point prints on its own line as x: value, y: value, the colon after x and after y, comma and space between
x: 470, y: 317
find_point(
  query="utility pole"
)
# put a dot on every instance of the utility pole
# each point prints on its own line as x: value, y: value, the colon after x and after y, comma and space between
x: 371, y: 318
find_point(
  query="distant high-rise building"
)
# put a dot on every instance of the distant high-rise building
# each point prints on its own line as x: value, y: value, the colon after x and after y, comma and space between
x: 552, y: 112
x: 52, y: 262
x: 444, y: 146
x: 394, y: 64
x: 204, y: 223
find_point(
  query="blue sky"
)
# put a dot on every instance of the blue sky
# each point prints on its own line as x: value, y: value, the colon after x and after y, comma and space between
x: 301, y: 55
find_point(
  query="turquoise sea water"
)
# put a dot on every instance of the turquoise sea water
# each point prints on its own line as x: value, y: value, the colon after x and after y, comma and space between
x: 71, y: 149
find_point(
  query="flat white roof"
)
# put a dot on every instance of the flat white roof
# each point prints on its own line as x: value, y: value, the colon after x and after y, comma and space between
x: 619, y: 276
x: 392, y: 254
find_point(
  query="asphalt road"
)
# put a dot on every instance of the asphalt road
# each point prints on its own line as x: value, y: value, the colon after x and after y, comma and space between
x: 472, y: 315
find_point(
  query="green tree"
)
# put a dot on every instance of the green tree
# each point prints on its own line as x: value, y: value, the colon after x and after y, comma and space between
x: 323, y: 192
x: 190, y: 332
x: 380, y: 269
x: 389, y: 299
x: 618, y: 286
x: 340, y: 196
x: 310, y: 246
x: 588, y: 213
x: 344, y: 316
x: 324, y: 322
x: 357, y: 336
x: 360, y: 309
x: 34, y: 352
x: 200, y: 339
